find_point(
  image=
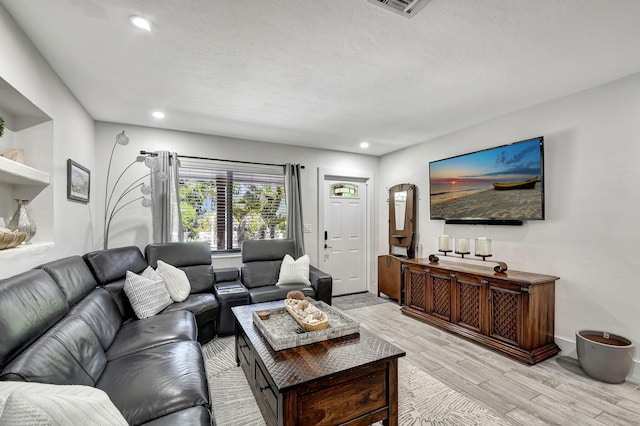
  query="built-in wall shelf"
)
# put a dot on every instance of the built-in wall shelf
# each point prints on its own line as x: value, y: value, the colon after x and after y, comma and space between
x: 26, y: 250
x: 14, y: 173
x: 29, y: 128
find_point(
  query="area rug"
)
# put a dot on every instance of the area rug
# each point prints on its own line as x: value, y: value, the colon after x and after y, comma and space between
x: 423, y: 400
x: 358, y: 300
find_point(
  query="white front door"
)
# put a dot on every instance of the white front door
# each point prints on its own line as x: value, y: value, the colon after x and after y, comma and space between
x: 344, y: 242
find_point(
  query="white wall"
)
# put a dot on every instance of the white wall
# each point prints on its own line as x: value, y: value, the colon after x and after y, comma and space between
x: 590, y: 236
x: 25, y: 69
x: 133, y: 225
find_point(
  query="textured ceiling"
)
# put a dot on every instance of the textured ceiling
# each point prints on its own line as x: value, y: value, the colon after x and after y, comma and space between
x: 328, y: 73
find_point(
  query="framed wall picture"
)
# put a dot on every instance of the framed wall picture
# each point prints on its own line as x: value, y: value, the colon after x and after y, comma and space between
x: 78, y: 182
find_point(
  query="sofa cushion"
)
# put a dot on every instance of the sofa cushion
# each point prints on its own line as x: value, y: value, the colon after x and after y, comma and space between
x: 201, y: 277
x: 30, y: 303
x: 260, y: 273
x: 203, y: 305
x: 147, y: 333
x: 45, y: 404
x: 116, y: 290
x: 147, y: 297
x: 158, y: 381
x: 192, y: 258
x: 259, y: 250
x: 194, y: 416
x: 226, y: 274
x: 101, y: 313
x: 73, y: 276
x: 274, y: 292
x: 294, y: 271
x: 112, y: 264
x: 179, y: 254
x: 261, y: 260
x: 176, y: 281
x: 68, y: 354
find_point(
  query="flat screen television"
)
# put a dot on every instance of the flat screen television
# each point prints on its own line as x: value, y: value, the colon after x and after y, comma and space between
x: 496, y: 186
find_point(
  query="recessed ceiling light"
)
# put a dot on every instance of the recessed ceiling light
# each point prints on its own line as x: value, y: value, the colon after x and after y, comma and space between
x: 158, y: 114
x: 364, y: 144
x: 141, y: 22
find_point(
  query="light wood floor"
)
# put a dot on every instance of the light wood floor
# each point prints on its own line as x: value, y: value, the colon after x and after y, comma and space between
x: 553, y: 392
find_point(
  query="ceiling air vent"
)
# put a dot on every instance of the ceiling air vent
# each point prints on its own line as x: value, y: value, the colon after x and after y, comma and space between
x: 405, y: 8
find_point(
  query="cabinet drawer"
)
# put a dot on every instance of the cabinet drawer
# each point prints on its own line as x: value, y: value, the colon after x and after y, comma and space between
x: 266, y: 390
x: 243, y: 350
x: 341, y: 403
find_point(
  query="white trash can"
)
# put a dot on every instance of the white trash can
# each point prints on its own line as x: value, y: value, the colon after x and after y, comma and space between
x: 604, y: 356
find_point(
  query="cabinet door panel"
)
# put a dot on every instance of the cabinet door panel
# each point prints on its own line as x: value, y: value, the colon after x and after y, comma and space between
x: 416, y: 288
x: 389, y: 276
x: 440, y: 292
x: 471, y: 302
x: 506, y: 313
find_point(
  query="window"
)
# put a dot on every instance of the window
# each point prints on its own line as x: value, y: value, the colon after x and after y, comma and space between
x: 344, y: 190
x: 227, y: 203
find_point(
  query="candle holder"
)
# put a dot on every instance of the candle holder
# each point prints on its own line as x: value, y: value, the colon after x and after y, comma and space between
x: 462, y: 247
x: 500, y: 268
x: 444, y: 244
x: 483, y: 247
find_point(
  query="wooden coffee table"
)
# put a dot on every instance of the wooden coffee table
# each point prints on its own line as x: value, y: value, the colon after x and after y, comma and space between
x: 348, y: 380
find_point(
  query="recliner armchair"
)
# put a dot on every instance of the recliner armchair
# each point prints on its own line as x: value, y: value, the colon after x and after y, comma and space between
x: 261, y: 261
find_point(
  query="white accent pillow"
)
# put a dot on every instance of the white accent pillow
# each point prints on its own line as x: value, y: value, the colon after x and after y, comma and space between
x: 44, y: 404
x: 176, y: 281
x: 151, y: 274
x: 294, y: 271
x: 147, y: 297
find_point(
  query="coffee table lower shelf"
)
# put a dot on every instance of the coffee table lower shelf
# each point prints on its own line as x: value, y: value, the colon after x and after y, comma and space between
x: 306, y: 385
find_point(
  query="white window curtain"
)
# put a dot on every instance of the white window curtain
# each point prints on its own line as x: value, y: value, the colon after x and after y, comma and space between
x: 165, y: 199
x: 294, y: 206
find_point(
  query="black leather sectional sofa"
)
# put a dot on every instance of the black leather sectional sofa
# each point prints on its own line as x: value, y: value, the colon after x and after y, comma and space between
x: 58, y: 327
x: 69, y: 322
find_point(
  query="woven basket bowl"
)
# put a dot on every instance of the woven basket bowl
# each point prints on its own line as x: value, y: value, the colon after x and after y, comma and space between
x: 12, y: 240
x: 309, y: 327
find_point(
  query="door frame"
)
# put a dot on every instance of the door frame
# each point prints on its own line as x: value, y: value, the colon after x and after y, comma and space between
x: 368, y: 178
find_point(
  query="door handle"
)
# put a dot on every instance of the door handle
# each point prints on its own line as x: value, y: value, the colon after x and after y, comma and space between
x: 326, y: 246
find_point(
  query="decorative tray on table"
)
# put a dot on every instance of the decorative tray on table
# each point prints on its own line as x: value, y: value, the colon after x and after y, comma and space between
x: 282, y: 331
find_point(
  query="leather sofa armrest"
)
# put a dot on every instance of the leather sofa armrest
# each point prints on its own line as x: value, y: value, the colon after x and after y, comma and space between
x: 226, y: 274
x: 322, y: 284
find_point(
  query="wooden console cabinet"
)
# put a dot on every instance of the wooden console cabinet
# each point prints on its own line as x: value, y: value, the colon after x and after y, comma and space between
x: 390, y: 276
x: 510, y: 312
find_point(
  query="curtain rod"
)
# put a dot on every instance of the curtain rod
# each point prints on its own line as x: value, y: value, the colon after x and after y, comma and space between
x: 220, y: 159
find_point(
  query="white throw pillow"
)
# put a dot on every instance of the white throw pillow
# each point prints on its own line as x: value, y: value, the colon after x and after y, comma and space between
x: 294, y: 271
x: 44, y: 404
x: 147, y: 297
x: 151, y: 274
x: 176, y: 281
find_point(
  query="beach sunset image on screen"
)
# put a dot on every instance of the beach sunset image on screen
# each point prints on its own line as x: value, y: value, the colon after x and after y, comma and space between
x: 505, y: 182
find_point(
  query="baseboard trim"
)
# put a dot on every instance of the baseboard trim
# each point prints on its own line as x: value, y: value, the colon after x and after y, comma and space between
x: 568, y: 348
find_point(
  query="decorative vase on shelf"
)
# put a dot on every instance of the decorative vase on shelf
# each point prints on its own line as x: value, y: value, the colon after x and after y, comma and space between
x: 22, y: 221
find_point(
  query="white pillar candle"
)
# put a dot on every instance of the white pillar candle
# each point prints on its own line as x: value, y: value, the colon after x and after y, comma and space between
x: 444, y: 243
x: 483, y: 246
x: 462, y: 245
